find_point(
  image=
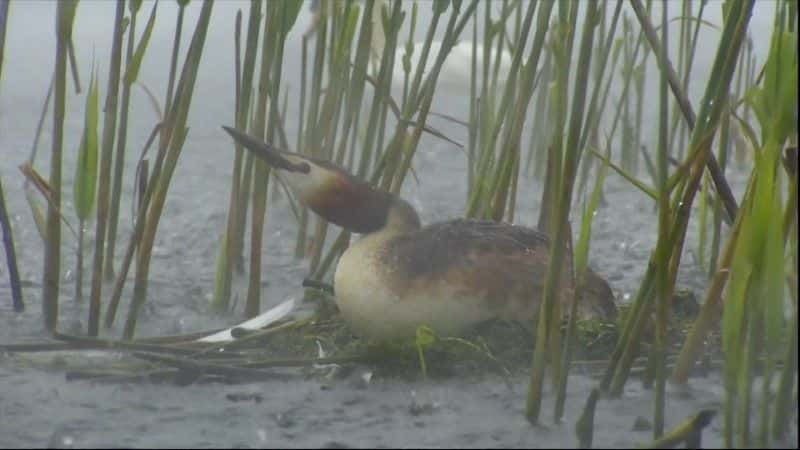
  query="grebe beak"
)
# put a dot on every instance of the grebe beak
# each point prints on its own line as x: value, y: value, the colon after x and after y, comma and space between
x: 278, y: 159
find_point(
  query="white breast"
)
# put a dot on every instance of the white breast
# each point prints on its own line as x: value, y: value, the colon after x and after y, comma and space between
x: 373, y: 309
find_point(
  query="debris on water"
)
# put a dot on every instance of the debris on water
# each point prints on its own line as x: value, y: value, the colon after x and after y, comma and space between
x: 419, y: 408
x: 284, y: 420
x: 684, y: 304
x: 245, y: 397
x: 364, y: 380
x: 335, y: 444
x: 61, y: 439
x: 186, y: 377
x: 642, y: 424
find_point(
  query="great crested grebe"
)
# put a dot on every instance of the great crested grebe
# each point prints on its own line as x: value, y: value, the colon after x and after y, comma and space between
x: 400, y: 275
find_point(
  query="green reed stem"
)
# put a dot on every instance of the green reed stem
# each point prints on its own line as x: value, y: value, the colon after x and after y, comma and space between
x: 688, y: 52
x: 65, y: 15
x: 138, y: 230
x: 302, y: 227
x: 172, y: 145
x: 724, y: 145
x: 709, y: 311
x: 783, y: 399
x: 331, y: 110
x: 538, y: 147
x: 597, y: 103
x: 511, y: 141
x: 119, y: 158
x: 355, y: 90
x: 712, y: 105
x: 369, y: 150
x: 474, y: 103
x: 104, y: 178
x: 5, y: 10
x: 492, y: 188
x: 232, y: 247
x: 261, y: 170
x: 663, y: 286
x: 280, y: 18
x: 73, y: 65
x: 224, y: 273
x: 173, y: 62
x: 455, y: 25
x: 562, y: 48
x: 246, y: 120
x: 720, y: 183
x: 312, y: 133
x: 559, y: 226
x: 5, y: 224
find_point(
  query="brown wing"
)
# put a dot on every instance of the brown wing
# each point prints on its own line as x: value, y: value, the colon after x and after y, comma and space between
x: 506, y: 264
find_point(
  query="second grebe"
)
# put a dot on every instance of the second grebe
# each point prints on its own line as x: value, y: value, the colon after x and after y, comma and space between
x: 399, y: 275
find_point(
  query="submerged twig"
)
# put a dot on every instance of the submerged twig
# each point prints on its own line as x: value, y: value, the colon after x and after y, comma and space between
x: 319, y: 285
x: 689, y: 431
x: 199, y: 368
x: 11, y: 256
x: 584, y: 427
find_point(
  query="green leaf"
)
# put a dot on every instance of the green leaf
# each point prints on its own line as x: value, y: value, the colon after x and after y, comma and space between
x: 66, y: 17
x: 220, y: 303
x: 425, y: 336
x: 291, y: 11
x: 632, y: 179
x: 86, y: 170
x: 726, y: 6
x: 413, y: 22
x: 409, y: 48
x: 386, y: 19
x: 132, y: 71
x: 349, y: 29
x: 733, y: 316
x: 582, y: 249
x: 36, y: 210
x: 440, y: 6
x: 775, y: 102
x: 134, y: 6
x: 767, y: 241
x: 773, y: 273
x: 618, y: 43
x: 784, y: 74
x: 755, y: 98
x: 747, y: 131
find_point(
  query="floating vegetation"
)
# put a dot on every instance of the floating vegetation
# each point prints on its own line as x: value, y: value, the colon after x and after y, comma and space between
x: 242, y: 353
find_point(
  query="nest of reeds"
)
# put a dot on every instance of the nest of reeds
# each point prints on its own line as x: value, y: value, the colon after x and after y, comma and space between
x: 323, y: 345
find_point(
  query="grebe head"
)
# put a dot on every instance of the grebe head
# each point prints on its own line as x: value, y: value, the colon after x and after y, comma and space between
x: 331, y: 192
